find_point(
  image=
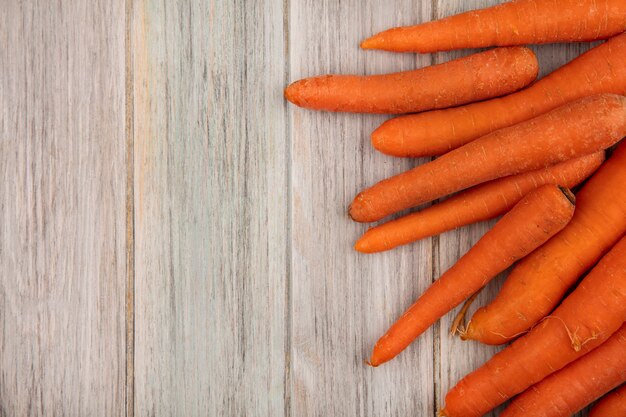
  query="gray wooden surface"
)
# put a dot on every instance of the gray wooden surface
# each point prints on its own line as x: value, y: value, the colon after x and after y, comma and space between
x: 173, y: 235
x: 62, y: 209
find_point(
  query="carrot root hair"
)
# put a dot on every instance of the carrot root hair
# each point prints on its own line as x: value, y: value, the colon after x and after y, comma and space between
x: 577, y: 343
x: 458, y: 325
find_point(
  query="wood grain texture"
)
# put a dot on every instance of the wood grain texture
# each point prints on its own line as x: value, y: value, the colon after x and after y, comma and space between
x: 343, y: 301
x: 62, y: 208
x: 211, y: 207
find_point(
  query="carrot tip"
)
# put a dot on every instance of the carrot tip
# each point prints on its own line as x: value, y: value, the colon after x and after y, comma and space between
x: 371, y: 43
x: 350, y: 214
x: 369, y: 363
x: 386, y: 138
x: 378, y: 137
x: 290, y: 93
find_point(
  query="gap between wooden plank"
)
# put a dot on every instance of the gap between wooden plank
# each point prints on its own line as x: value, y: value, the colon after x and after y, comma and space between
x: 437, y: 400
x: 288, y: 253
x: 130, y: 216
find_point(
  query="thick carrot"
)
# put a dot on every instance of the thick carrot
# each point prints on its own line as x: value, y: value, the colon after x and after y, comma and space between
x: 600, y: 70
x: 577, y: 385
x: 476, y: 77
x: 517, y: 22
x: 576, y: 129
x: 585, y: 319
x: 480, y: 203
x: 536, y: 218
x: 538, y: 282
x: 612, y: 405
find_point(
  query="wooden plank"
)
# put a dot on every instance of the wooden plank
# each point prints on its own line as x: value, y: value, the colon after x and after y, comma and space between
x: 211, y: 203
x: 62, y: 208
x: 459, y: 358
x: 343, y: 301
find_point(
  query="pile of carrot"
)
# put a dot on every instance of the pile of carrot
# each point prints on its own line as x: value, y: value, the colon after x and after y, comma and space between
x: 546, y: 156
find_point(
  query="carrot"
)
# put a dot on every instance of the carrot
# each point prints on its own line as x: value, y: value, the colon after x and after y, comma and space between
x: 536, y: 218
x: 538, y: 282
x: 480, y: 203
x: 518, y: 22
x: 576, y: 129
x: 577, y: 385
x: 585, y: 319
x: 476, y: 77
x: 612, y: 405
x: 600, y: 70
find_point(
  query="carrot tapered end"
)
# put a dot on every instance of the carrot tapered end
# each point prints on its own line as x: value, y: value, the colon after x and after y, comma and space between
x: 388, y: 138
x: 394, y: 139
x: 362, y: 245
x: 375, y: 42
x: 311, y: 93
x: 355, y: 211
x: 378, y: 356
x: 379, y: 137
x: 392, y: 40
x: 371, y: 242
x: 292, y: 93
x: 373, y: 365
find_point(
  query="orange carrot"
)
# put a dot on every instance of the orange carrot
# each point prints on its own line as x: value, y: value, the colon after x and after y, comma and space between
x: 601, y: 70
x: 612, y: 405
x: 585, y: 319
x: 536, y: 218
x: 517, y: 22
x: 480, y: 203
x: 476, y: 77
x: 577, y: 385
x: 576, y: 129
x: 539, y: 281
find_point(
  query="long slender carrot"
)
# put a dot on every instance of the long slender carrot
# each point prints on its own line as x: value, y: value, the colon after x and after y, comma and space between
x: 576, y: 129
x: 536, y: 218
x: 577, y: 385
x: 517, y: 22
x: 539, y: 281
x: 585, y: 319
x: 612, y: 405
x: 480, y: 203
x: 600, y: 70
x: 476, y: 77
